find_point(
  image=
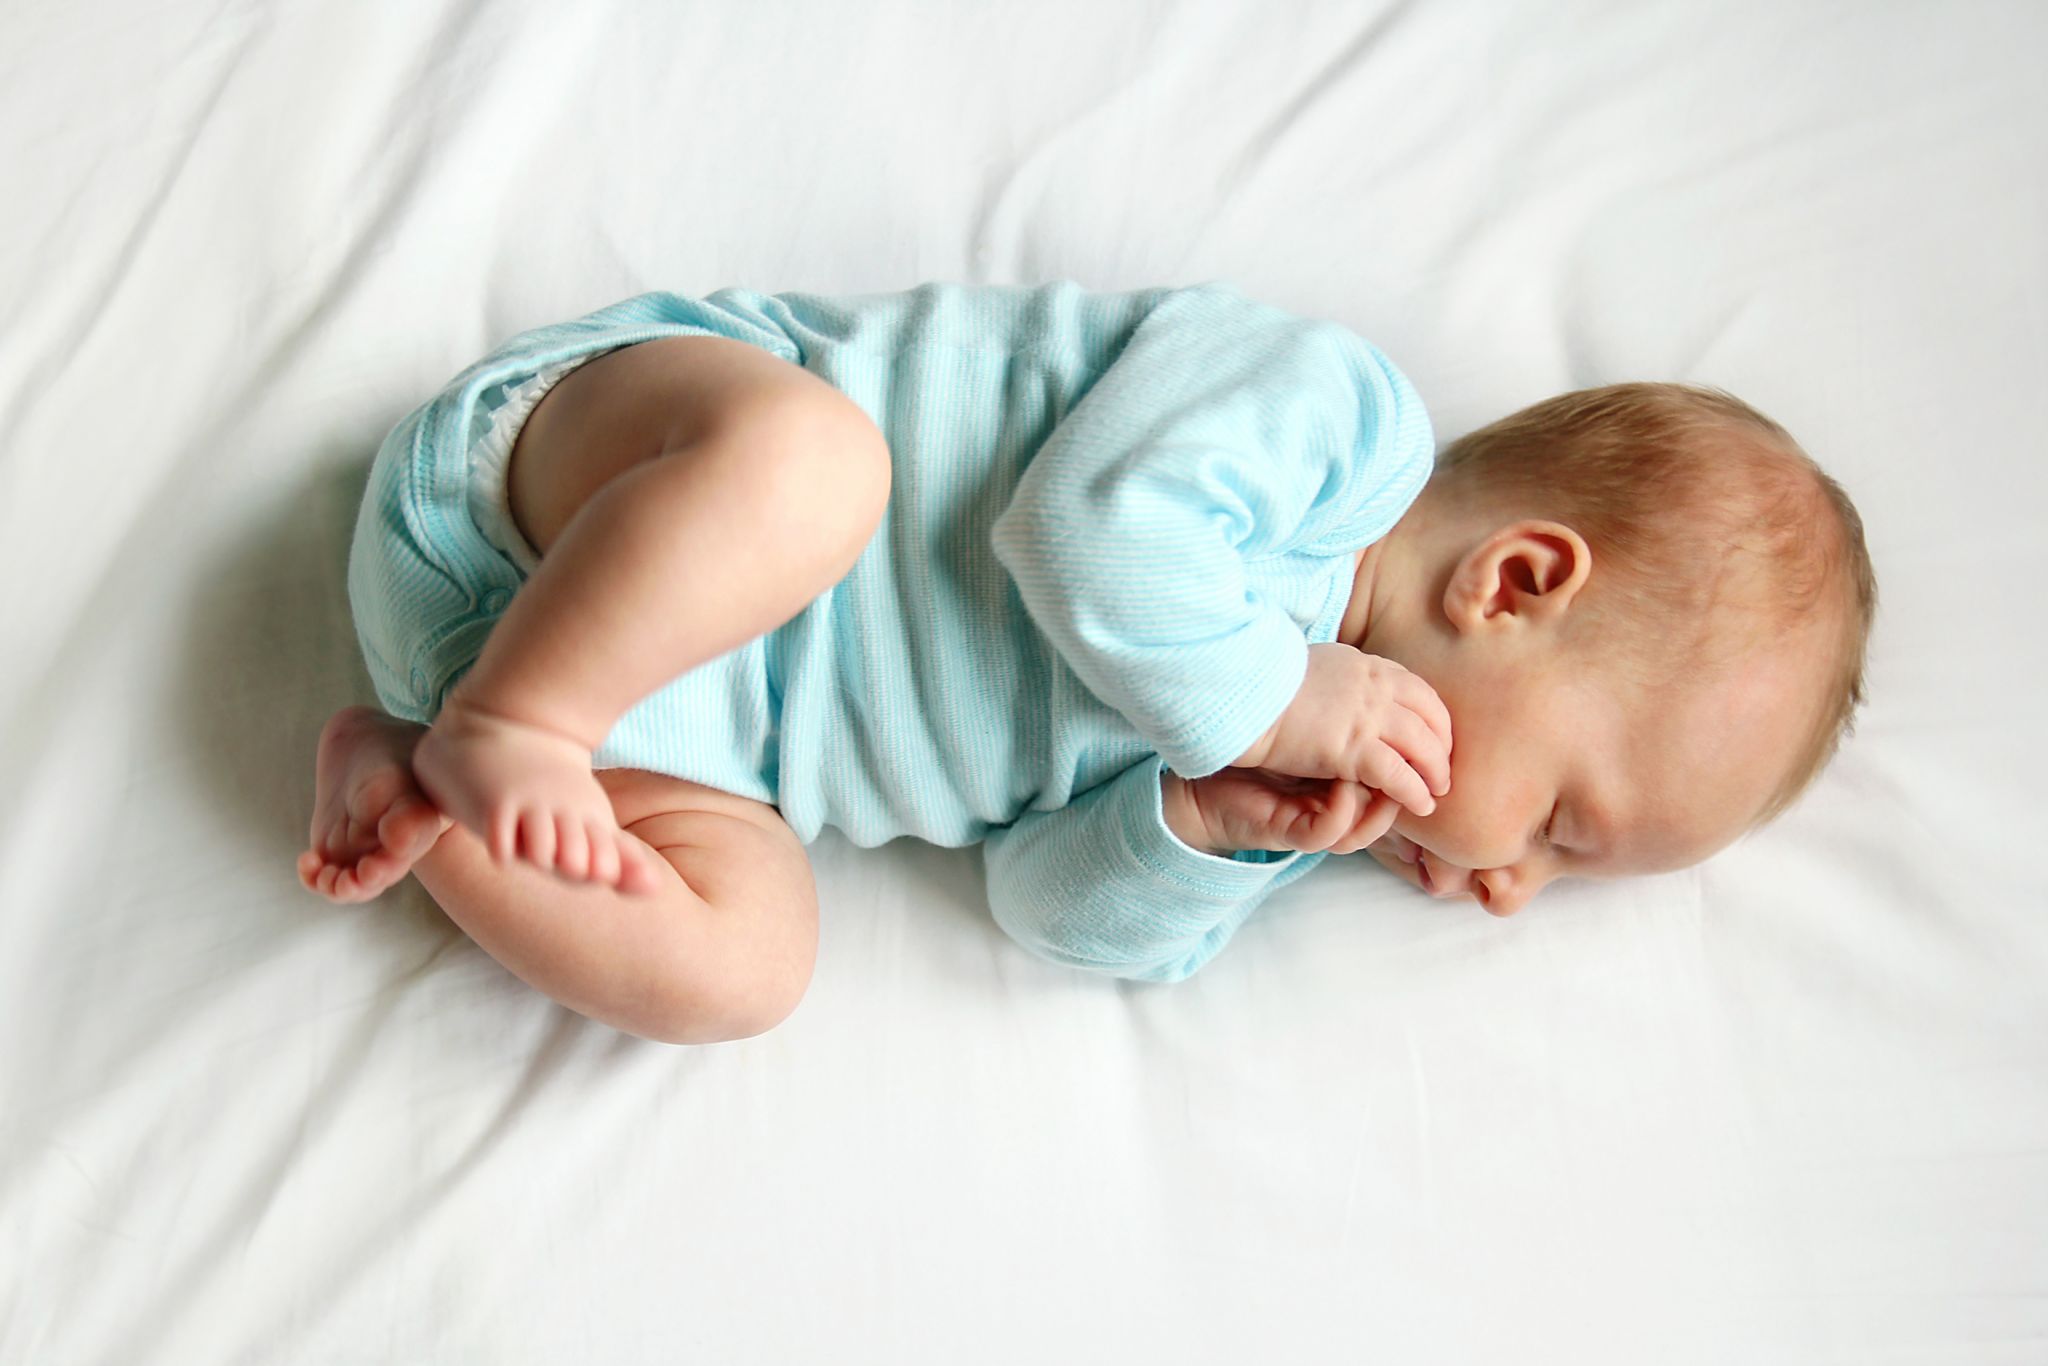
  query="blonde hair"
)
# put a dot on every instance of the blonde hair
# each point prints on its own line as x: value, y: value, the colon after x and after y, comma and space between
x: 1702, y: 504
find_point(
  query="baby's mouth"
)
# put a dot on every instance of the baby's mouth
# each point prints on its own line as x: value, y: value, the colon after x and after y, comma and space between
x: 1411, y: 854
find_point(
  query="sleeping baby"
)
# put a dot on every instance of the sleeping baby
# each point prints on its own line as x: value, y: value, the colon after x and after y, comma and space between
x: 1160, y: 596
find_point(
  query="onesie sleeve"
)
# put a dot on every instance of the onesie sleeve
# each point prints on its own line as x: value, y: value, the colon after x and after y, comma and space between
x: 1104, y: 884
x: 1224, y: 430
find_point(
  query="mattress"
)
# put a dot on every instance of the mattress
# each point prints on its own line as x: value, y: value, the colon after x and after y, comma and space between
x: 1788, y: 1106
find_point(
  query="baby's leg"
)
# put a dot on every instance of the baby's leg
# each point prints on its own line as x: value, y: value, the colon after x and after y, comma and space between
x: 723, y: 949
x: 704, y: 492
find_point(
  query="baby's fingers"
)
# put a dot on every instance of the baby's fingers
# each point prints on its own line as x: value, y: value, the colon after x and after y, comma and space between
x: 1372, y: 824
x: 1421, y: 699
x: 1385, y: 769
x: 1424, y: 750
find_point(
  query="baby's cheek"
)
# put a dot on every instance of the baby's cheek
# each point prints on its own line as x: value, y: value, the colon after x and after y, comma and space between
x: 1458, y: 830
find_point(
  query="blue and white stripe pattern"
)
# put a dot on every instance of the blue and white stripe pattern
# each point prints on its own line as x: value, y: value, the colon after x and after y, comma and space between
x: 1117, y: 521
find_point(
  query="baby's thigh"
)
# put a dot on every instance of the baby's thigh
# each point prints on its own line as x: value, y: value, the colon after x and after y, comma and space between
x: 633, y: 404
x: 740, y: 856
x: 640, y: 794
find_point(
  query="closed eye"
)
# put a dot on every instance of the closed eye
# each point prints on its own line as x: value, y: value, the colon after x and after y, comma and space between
x: 1543, y: 835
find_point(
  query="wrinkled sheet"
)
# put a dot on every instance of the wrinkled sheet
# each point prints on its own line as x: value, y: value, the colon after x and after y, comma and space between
x: 1785, y: 1107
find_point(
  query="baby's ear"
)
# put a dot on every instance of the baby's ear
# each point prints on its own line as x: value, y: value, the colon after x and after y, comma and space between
x: 1523, y: 573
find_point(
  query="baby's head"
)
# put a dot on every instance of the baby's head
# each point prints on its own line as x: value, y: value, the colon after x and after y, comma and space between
x: 1645, y: 608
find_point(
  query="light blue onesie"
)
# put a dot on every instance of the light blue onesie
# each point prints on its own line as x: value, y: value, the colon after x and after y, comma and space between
x: 1116, y: 523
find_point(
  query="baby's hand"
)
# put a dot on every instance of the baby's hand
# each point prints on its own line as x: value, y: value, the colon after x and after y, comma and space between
x: 1249, y: 808
x: 1366, y: 720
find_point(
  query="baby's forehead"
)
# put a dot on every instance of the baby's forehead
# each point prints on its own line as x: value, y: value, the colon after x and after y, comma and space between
x: 1706, y: 754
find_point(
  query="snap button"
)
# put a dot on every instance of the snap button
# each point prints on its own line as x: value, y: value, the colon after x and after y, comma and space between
x: 495, y: 600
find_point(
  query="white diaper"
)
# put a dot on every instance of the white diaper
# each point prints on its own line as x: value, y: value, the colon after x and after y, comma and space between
x: 490, y: 494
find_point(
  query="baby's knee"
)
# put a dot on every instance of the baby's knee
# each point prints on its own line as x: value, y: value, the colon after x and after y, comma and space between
x: 749, y: 961
x: 683, y: 1012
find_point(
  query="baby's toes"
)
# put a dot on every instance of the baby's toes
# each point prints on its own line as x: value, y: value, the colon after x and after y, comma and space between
x: 572, y: 848
x: 409, y: 828
x: 604, y: 855
x: 338, y: 882
x: 373, y: 872
x: 637, y: 875
x: 504, y: 834
x: 537, y: 837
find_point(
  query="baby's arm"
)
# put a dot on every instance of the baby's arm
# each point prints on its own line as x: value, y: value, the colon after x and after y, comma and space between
x: 1223, y: 432
x: 1104, y: 883
x: 1148, y: 875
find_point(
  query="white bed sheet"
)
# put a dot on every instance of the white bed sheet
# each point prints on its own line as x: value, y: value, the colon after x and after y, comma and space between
x: 1786, y: 1107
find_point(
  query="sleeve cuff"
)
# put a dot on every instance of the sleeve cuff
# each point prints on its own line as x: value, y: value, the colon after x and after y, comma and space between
x: 1154, y: 846
x: 1104, y: 884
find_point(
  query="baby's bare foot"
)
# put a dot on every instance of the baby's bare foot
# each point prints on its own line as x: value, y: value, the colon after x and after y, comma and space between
x: 371, y: 822
x: 529, y: 794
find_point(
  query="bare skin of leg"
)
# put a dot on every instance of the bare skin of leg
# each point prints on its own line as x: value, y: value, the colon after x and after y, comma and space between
x: 675, y: 561
x: 724, y: 949
x: 666, y: 908
x: 678, y: 515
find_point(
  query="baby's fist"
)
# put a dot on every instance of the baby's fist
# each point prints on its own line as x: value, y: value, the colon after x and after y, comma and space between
x: 1248, y: 808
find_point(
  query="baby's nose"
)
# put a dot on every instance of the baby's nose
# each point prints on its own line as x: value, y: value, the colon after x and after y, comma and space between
x: 1501, y: 893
